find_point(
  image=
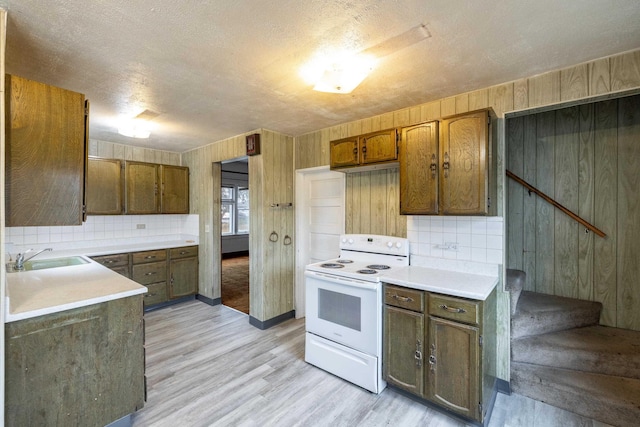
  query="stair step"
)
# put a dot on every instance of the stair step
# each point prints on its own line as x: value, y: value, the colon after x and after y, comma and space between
x: 541, y: 313
x: 609, y: 399
x: 598, y: 349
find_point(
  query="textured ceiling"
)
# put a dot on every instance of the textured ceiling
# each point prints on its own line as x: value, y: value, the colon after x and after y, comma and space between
x: 212, y: 70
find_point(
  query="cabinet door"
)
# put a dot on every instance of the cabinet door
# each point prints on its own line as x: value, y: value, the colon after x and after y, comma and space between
x: 45, y: 154
x: 379, y: 147
x: 419, y: 169
x: 463, y: 156
x: 104, y: 187
x: 344, y: 152
x: 453, y: 366
x: 141, y: 182
x: 183, y: 277
x: 402, y: 361
x: 175, y: 189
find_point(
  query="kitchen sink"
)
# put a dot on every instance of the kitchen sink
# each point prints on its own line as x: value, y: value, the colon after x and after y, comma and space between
x: 43, y: 264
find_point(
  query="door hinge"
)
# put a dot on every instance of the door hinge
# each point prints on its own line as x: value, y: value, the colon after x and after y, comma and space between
x: 488, y: 202
x: 480, y: 341
x: 480, y: 409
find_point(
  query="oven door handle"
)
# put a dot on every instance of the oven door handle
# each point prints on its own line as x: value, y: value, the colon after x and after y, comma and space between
x: 343, y: 280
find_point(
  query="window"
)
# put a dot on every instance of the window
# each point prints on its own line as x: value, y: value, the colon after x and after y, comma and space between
x: 234, y: 209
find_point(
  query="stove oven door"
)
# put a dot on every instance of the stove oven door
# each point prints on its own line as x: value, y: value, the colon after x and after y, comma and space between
x: 345, y: 311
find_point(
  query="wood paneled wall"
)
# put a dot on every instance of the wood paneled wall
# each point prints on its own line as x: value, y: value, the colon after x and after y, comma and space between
x: 587, y: 158
x: 270, y: 182
x: 604, y: 76
x: 111, y: 150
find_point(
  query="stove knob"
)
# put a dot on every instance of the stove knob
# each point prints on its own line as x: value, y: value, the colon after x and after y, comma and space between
x: 389, y: 245
x: 344, y: 240
x: 351, y: 241
x: 398, y: 245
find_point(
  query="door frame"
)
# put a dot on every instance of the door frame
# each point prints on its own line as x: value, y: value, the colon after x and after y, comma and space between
x: 302, y: 245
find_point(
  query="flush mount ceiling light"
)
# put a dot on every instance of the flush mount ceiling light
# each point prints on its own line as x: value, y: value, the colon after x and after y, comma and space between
x: 341, y: 73
x: 135, y: 128
x: 138, y: 127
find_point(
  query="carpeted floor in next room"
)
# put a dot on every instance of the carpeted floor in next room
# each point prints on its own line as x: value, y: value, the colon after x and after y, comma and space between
x: 235, y: 283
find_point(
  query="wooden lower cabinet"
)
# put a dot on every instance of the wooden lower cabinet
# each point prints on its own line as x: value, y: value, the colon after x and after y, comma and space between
x: 83, y: 366
x: 442, y: 351
x: 168, y: 274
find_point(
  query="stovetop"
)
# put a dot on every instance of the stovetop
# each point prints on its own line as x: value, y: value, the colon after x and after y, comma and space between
x: 365, y: 257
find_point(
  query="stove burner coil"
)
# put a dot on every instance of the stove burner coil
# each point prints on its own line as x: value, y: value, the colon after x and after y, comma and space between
x: 331, y: 265
x: 344, y: 261
x: 367, y: 271
x: 378, y: 267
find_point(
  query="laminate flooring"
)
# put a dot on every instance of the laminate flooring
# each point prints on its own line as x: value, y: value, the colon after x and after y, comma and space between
x: 207, y: 366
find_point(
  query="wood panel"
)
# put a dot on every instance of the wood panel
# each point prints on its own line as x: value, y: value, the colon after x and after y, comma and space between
x: 628, y: 295
x: 595, y: 172
x: 605, y: 206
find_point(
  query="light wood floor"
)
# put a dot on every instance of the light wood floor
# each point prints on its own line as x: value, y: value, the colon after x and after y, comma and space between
x: 206, y: 366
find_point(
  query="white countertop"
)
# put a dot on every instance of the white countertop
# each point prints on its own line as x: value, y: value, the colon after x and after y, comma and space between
x: 39, y: 292
x: 455, y: 283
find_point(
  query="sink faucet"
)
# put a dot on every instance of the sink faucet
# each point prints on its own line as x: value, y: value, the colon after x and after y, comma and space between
x: 20, y: 259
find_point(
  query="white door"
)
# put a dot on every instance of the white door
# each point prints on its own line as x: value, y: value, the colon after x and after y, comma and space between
x: 319, y: 221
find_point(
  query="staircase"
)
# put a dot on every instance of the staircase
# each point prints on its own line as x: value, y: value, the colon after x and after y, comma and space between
x: 560, y: 355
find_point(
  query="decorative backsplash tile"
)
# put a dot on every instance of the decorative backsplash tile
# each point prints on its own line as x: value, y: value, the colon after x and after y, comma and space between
x: 102, y: 230
x: 477, y: 239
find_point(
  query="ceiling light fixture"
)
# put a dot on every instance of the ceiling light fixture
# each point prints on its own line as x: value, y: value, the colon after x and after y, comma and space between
x: 135, y: 128
x: 346, y: 75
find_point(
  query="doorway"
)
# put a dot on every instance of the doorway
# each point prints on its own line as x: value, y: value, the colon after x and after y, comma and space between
x: 234, y: 214
x: 320, y: 219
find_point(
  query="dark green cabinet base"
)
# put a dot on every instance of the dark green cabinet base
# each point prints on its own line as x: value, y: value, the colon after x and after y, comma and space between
x: 82, y: 367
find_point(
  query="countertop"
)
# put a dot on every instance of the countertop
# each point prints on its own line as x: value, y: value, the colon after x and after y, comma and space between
x: 455, y: 283
x: 40, y: 292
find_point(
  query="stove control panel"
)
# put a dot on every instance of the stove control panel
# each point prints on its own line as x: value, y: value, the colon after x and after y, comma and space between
x: 375, y: 244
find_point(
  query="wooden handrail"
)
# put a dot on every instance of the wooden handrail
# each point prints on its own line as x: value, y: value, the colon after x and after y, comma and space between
x: 554, y: 203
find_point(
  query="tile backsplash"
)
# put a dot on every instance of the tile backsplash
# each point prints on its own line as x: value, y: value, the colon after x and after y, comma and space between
x: 102, y: 229
x: 463, y: 238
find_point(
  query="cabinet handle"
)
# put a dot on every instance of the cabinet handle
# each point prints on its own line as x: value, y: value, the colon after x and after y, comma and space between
x: 452, y: 309
x: 150, y: 257
x: 183, y: 252
x: 446, y: 165
x: 433, y: 166
x: 150, y: 295
x: 432, y: 363
x: 418, y: 353
x: 403, y: 299
x: 151, y: 273
x: 109, y: 262
x: 364, y: 149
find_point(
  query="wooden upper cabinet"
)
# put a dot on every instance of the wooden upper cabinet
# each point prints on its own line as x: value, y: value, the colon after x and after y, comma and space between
x: 142, y: 182
x: 375, y: 150
x: 175, y: 189
x: 419, y: 169
x: 344, y: 153
x: 45, y: 154
x: 447, y: 168
x: 464, y: 172
x: 104, y: 187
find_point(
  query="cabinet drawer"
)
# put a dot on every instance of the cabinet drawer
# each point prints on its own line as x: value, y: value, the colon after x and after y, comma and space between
x: 458, y: 309
x: 397, y: 296
x: 150, y: 273
x: 111, y: 261
x: 157, y: 293
x: 149, y: 256
x: 122, y: 270
x: 183, y: 252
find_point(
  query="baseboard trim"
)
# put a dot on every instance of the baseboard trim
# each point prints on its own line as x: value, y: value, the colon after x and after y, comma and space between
x: 271, y: 322
x: 169, y: 303
x: 504, y: 387
x: 209, y: 301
